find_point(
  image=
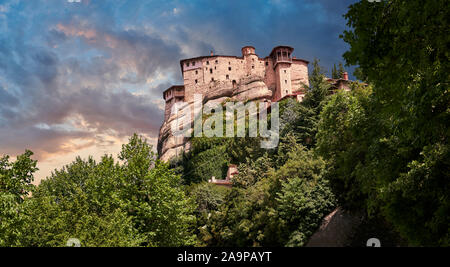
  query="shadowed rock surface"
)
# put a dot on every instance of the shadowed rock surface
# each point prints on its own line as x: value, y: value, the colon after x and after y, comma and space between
x: 336, y: 230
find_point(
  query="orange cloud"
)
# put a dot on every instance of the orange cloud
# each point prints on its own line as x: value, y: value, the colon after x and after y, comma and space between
x: 70, y: 30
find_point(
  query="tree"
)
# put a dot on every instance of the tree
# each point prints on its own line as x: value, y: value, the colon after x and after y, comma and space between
x: 15, y: 185
x: 334, y: 72
x: 337, y: 73
x: 80, y: 201
x: 208, y: 198
x: 341, y: 71
x: 206, y: 164
x: 343, y: 133
x: 16, y: 177
x: 135, y: 202
x: 154, y: 197
x: 305, y: 197
x: 272, y: 207
x: 12, y: 220
x: 318, y: 88
x: 401, y: 47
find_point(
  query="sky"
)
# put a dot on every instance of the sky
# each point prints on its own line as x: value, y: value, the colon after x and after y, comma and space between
x: 78, y: 78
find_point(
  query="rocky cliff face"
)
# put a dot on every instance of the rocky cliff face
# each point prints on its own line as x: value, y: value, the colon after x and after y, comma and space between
x: 248, y: 88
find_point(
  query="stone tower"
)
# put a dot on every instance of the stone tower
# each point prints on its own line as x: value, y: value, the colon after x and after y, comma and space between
x: 282, y: 60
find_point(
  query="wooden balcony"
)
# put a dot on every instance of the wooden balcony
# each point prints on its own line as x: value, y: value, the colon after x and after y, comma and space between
x: 178, y: 93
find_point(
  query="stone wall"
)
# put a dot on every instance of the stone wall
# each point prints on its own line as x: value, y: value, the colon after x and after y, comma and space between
x: 299, y: 75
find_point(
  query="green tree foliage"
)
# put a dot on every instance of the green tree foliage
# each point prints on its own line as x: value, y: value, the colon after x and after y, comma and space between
x: 16, y: 177
x: 341, y: 71
x: 334, y: 72
x: 12, y: 220
x: 15, y: 184
x: 397, y: 136
x: 337, y: 73
x: 134, y: 202
x: 260, y: 209
x: 246, y: 218
x: 53, y: 219
x: 208, y: 198
x: 318, y: 89
x: 155, y: 199
x: 206, y: 164
x: 342, y: 137
x: 305, y: 197
x: 253, y: 171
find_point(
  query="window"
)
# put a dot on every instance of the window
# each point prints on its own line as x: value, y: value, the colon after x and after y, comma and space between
x: 210, y: 70
x: 207, y: 62
x: 229, y: 68
x: 193, y: 63
x: 212, y: 79
x: 215, y: 68
x: 196, y: 81
x: 253, y: 59
x: 253, y: 67
x: 228, y: 77
x: 284, y: 71
x: 229, y: 63
x: 187, y: 64
x: 196, y: 72
x: 267, y: 63
x: 217, y: 61
x: 285, y: 81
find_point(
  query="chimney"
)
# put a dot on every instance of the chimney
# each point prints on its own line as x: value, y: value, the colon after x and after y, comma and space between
x: 345, y: 76
x: 212, y: 53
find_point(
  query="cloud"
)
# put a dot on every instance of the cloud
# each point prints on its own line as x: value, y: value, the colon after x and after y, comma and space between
x: 122, y: 112
x: 130, y: 50
x: 83, y: 77
x: 44, y: 142
x: 7, y: 99
x: 74, y: 87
